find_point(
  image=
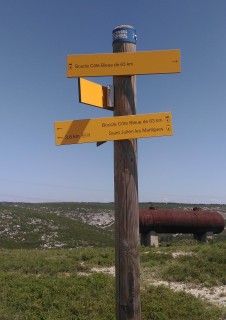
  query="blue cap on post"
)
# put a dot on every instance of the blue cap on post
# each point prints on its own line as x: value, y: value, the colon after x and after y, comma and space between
x: 124, y: 33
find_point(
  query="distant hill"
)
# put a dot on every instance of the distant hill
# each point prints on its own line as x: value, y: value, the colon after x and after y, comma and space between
x: 65, y: 225
x: 53, y: 225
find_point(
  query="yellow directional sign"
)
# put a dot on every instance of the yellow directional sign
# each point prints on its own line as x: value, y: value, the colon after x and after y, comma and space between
x: 93, y: 93
x: 123, y: 63
x: 115, y: 128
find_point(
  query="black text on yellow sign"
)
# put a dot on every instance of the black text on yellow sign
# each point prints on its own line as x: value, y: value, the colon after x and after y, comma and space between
x: 115, y: 128
x: 124, y: 63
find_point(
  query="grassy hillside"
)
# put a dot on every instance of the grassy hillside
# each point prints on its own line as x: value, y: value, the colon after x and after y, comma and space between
x: 50, y: 226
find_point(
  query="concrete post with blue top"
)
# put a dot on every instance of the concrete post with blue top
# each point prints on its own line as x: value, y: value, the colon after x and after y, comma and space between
x: 127, y: 243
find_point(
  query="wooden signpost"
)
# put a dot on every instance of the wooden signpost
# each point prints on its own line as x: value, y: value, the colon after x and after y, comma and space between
x: 127, y: 242
x: 123, y: 128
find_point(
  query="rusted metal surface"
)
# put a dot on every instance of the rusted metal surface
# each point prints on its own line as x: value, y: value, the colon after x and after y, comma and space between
x: 180, y: 221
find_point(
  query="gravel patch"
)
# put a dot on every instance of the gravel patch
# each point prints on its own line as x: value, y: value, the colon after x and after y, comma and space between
x: 216, y: 295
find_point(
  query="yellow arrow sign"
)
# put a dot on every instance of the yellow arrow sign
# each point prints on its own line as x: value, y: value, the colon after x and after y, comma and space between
x: 124, y: 63
x: 93, y: 93
x: 115, y: 128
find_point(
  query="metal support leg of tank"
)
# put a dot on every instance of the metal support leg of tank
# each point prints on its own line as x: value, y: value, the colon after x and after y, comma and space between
x: 145, y: 239
x: 201, y: 237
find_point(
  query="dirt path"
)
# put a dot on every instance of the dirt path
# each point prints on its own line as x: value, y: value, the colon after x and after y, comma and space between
x: 216, y: 295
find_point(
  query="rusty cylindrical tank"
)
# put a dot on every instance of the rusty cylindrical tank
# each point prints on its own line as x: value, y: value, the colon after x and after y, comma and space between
x: 180, y: 221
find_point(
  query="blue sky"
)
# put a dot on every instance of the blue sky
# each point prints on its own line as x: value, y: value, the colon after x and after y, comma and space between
x: 36, y: 37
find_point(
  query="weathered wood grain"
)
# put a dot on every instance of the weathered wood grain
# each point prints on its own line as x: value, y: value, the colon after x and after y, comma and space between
x: 127, y: 261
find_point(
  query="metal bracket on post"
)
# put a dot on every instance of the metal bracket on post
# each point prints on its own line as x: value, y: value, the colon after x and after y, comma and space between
x: 110, y: 96
x: 110, y: 104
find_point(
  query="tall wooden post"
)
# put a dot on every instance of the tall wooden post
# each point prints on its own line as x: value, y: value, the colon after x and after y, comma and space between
x: 127, y: 261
